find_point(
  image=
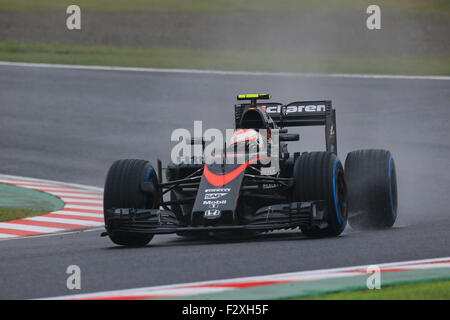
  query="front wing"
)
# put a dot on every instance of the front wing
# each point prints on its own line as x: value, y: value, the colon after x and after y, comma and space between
x: 158, y: 221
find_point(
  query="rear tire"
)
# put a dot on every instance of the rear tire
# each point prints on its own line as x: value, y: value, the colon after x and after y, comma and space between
x: 123, y: 190
x: 372, y: 189
x: 320, y: 176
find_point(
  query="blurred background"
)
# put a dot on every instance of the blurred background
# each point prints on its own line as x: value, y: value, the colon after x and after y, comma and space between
x: 259, y: 35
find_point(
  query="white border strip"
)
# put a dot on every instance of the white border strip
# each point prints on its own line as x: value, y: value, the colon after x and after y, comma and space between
x: 223, y: 72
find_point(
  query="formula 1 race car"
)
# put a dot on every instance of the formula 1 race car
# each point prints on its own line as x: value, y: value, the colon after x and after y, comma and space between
x: 310, y: 191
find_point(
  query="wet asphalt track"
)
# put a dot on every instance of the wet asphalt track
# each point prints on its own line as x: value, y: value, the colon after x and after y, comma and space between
x: 70, y: 125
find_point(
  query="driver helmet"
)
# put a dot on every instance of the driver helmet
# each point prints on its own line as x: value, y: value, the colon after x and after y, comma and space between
x: 252, y: 141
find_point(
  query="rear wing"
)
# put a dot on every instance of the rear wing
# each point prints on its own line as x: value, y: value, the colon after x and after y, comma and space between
x: 299, y: 114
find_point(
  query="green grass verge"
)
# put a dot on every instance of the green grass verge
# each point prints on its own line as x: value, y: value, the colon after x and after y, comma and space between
x: 24, y: 198
x: 7, y: 214
x: 221, y: 60
x: 438, y: 290
x: 223, y: 6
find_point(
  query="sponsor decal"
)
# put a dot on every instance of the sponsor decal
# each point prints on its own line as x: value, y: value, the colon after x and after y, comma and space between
x: 213, y: 196
x: 218, y: 190
x: 208, y: 202
x: 299, y: 108
x: 270, y: 185
x: 212, y: 213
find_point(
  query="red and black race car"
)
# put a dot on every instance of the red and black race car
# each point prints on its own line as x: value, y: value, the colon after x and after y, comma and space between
x: 311, y: 191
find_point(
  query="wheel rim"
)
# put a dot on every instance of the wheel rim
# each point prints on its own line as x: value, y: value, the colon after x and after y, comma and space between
x: 393, y: 187
x: 341, y: 195
x: 149, y: 199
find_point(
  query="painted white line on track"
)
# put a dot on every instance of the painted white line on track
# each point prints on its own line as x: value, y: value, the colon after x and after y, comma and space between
x: 87, y: 201
x: 187, y: 291
x: 79, y: 192
x: 66, y: 220
x: 33, y: 184
x: 59, y: 233
x: 223, y: 72
x: 55, y: 190
x: 26, y: 180
x: 74, y: 194
x: 25, y: 227
x: 77, y: 213
x: 74, y: 206
x: 4, y: 235
x: 81, y: 214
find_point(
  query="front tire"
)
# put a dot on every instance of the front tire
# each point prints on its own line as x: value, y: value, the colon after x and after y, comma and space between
x: 372, y: 189
x: 320, y: 176
x: 123, y: 190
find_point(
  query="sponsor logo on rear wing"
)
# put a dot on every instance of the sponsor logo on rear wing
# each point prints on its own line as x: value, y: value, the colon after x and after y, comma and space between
x: 296, y: 109
x: 301, y: 113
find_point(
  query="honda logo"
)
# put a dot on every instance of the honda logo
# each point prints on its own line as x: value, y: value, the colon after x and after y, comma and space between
x: 212, y: 213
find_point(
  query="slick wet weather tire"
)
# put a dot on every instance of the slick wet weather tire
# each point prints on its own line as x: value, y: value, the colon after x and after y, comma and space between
x: 320, y: 176
x: 372, y: 189
x: 123, y: 190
